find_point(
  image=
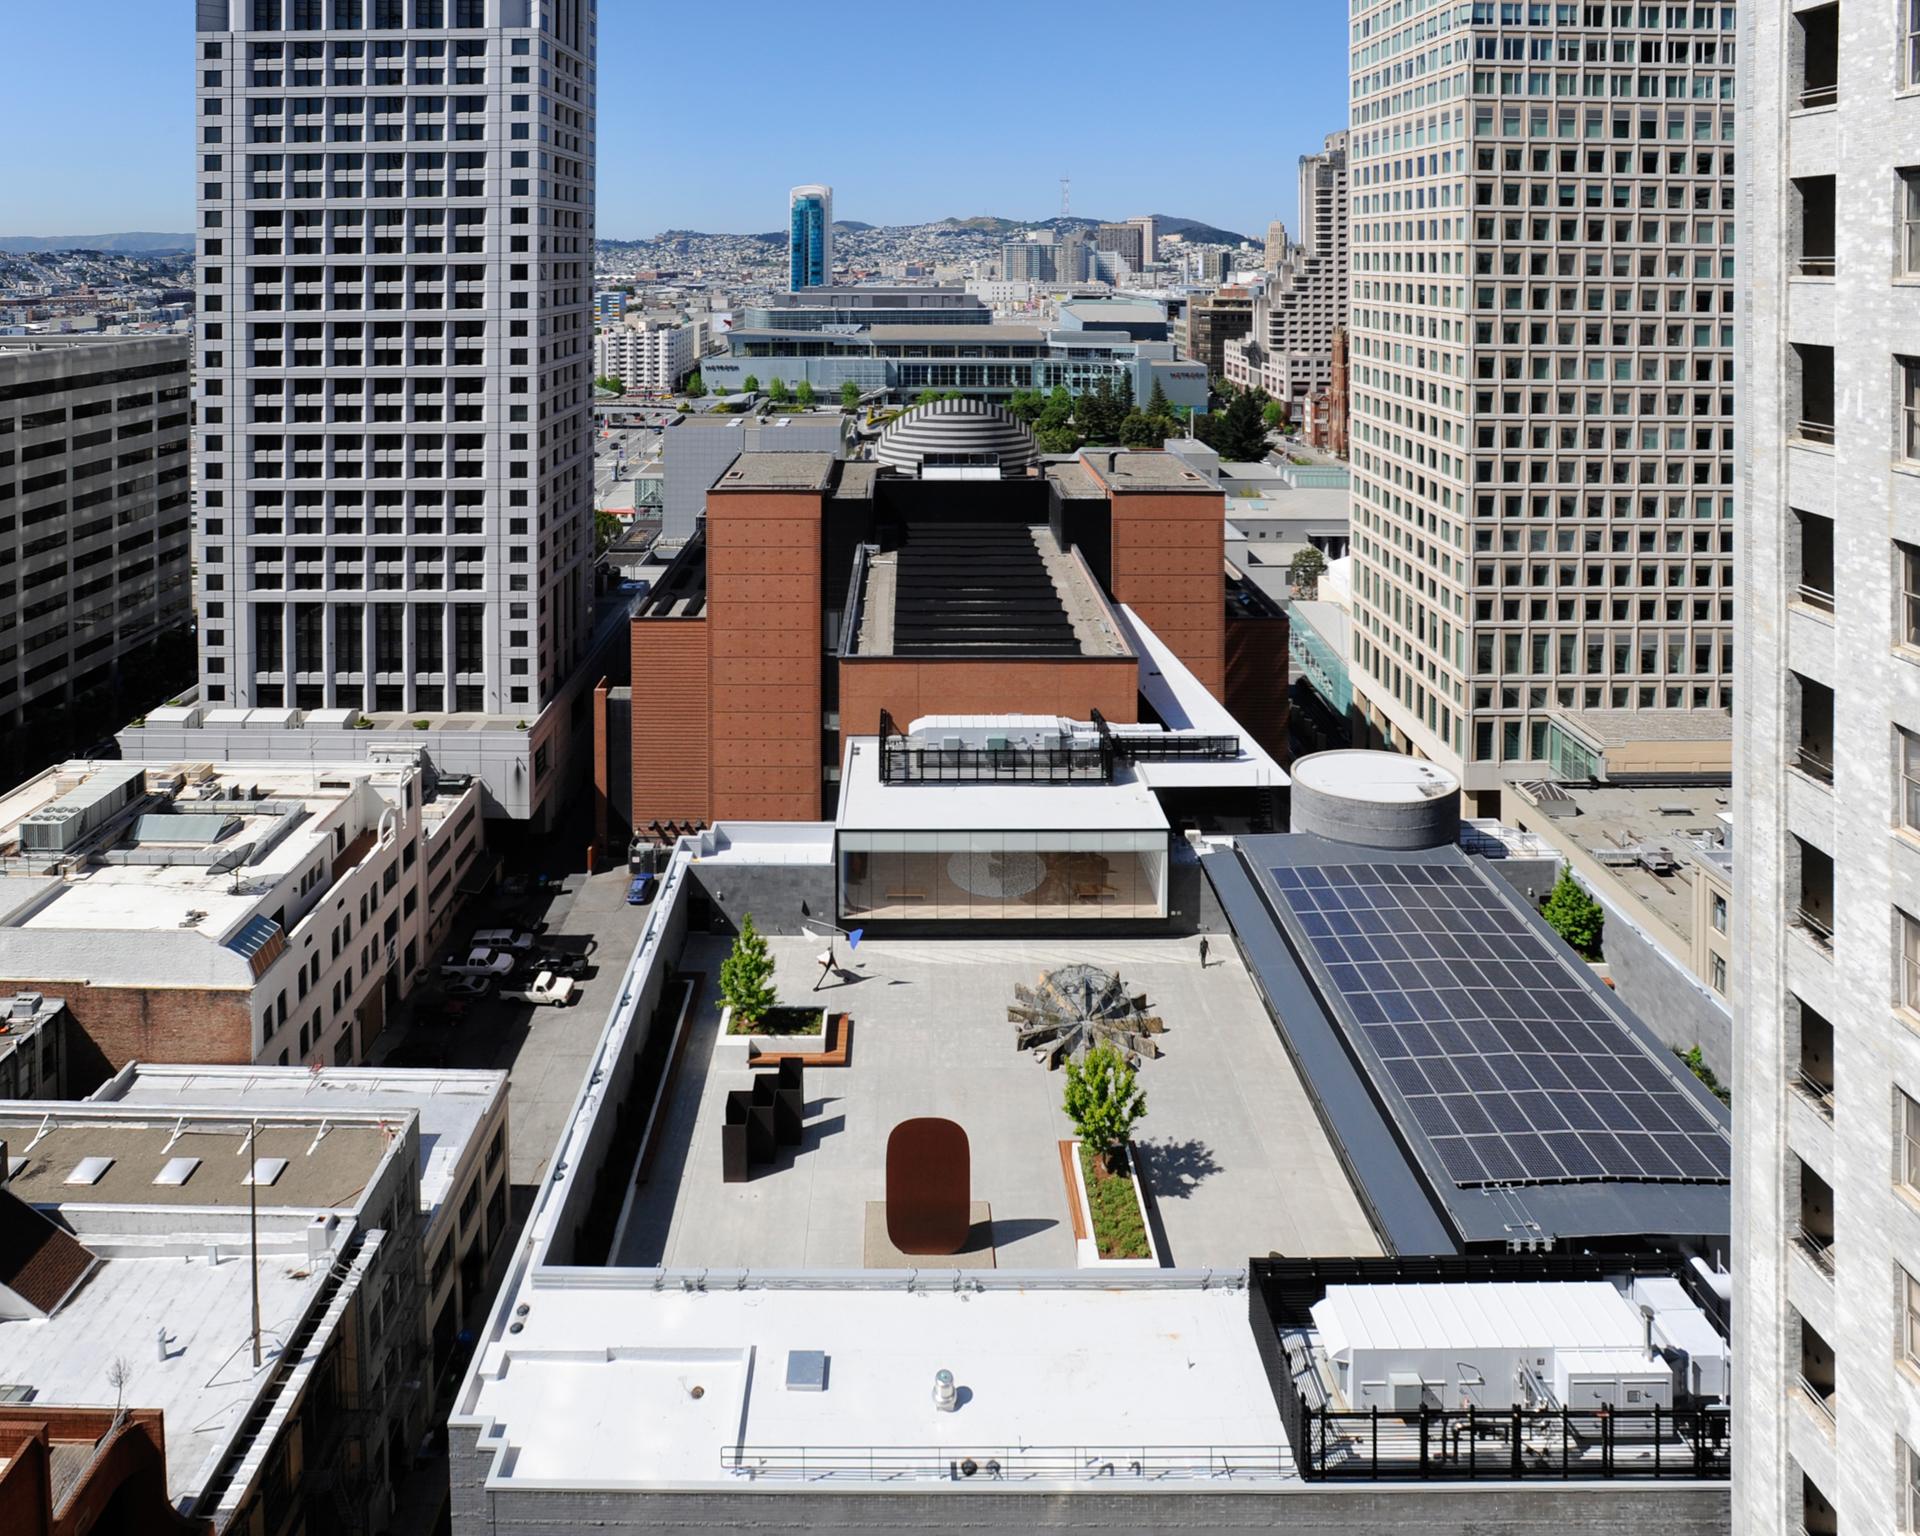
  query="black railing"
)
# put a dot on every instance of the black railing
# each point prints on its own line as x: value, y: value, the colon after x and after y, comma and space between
x: 906, y: 761
x: 1514, y: 1443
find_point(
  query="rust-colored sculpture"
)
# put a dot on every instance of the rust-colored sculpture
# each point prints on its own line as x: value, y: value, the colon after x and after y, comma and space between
x: 929, y: 1187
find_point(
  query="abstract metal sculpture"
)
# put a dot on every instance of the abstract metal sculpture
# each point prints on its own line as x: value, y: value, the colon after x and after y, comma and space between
x: 1078, y: 1007
x: 929, y: 1187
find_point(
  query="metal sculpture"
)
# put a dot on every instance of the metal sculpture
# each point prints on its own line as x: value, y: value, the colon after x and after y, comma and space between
x: 929, y: 1187
x: 1077, y: 1007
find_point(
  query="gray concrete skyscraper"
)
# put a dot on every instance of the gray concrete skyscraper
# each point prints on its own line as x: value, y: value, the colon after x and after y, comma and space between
x: 396, y: 205
x: 1827, y: 774
x: 1541, y: 320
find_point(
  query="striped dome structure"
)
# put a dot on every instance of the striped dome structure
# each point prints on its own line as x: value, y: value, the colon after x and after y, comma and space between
x: 949, y: 434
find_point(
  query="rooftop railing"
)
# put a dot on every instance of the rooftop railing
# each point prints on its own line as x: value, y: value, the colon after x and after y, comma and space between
x: 1515, y: 1443
x: 1112, y: 1466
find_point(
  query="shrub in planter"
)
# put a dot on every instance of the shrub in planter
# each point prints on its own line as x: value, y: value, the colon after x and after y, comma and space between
x: 746, y: 975
x: 1103, y: 1102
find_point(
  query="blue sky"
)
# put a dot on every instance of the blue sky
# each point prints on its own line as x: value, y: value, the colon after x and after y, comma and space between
x: 707, y: 115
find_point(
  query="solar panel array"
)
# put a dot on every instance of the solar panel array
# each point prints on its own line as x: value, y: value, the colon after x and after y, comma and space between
x: 1507, y: 1062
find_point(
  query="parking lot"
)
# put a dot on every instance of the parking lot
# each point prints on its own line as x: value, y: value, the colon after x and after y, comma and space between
x: 543, y: 1049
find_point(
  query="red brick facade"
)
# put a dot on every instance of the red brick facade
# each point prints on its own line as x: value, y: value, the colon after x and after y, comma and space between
x: 116, y: 1025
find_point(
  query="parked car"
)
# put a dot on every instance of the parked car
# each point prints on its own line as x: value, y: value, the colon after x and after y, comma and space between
x: 563, y: 963
x: 478, y: 962
x: 504, y: 938
x: 641, y: 891
x: 469, y: 986
x: 546, y: 990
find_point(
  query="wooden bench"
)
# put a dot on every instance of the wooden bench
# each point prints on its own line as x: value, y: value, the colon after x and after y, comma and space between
x: 838, y: 1044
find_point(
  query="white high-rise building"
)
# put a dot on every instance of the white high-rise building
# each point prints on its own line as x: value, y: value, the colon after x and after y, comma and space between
x: 1289, y: 353
x: 396, y: 205
x: 1541, y: 371
x: 1827, y: 778
x: 648, y: 357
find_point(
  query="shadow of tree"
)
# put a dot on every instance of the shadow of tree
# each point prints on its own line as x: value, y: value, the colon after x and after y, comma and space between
x: 1175, y: 1169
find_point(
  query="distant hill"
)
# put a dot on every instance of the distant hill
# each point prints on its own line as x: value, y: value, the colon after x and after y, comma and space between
x: 135, y: 243
x: 980, y: 224
x: 1190, y: 229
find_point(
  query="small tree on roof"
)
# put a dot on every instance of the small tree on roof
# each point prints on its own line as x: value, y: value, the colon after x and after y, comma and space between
x: 1573, y: 914
x: 1103, y: 1102
x: 746, y: 975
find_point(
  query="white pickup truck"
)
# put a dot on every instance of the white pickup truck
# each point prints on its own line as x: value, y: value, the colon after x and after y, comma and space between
x: 546, y: 991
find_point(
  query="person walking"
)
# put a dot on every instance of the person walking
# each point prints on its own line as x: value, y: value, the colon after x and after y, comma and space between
x: 1203, y: 951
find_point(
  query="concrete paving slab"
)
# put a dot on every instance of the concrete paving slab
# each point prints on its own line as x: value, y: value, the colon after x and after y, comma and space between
x: 1235, y: 1158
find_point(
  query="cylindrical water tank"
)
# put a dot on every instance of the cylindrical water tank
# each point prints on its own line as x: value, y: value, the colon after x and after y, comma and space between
x: 1376, y: 799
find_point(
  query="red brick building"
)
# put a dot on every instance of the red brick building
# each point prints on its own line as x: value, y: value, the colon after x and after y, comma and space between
x: 819, y: 594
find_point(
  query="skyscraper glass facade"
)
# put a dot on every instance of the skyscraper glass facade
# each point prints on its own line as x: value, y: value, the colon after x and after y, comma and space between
x: 810, y: 238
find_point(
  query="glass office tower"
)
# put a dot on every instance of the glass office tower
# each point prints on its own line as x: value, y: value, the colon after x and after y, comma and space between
x: 810, y: 238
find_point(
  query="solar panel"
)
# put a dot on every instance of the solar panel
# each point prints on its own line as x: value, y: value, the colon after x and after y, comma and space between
x: 1508, y: 1062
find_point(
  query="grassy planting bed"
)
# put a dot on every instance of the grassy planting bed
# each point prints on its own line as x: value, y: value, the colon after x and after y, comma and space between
x: 782, y: 1021
x: 1119, y: 1232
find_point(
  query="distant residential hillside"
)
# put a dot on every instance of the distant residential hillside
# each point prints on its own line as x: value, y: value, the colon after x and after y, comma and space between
x: 137, y: 242
x: 984, y: 224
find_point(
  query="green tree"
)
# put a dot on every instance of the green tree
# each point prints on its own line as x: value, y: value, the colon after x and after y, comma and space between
x: 1097, y: 413
x: 1274, y: 414
x: 1304, y: 571
x: 1573, y: 914
x: 1053, y: 429
x: 777, y: 391
x: 1103, y: 1102
x: 849, y: 396
x: 1239, y: 433
x: 1026, y: 405
x: 695, y: 385
x: 1157, y: 404
x: 746, y: 975
x: 1125, y: 393
x: 1139, y: 430
x: 751, y: 383
x: 804, y: 394
x: 611, y: 381
x: 606, y: 528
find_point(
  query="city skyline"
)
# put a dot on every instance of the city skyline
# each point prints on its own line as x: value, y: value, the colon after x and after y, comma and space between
x: 123, y: 164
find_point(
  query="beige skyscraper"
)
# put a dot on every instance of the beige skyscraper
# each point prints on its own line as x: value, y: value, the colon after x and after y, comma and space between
x: 1542, y: 371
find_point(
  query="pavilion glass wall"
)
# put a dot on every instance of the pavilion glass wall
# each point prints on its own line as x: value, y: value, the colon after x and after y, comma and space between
x: 984, y: 875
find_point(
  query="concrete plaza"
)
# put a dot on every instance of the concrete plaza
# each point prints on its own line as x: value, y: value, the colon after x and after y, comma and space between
x: 1234, y: 1157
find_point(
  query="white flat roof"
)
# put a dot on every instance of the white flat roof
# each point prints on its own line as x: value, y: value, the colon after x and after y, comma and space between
x: 206, y: 1384
x: 1376, y: 777
x: 597, y: 1389
x: 867, y: 805
x: 1561, y: 1315
x: 451, y: 1105
x: 1182, y: 701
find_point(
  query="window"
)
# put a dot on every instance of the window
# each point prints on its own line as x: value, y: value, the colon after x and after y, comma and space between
x: 1908, y: 1174
x: 1908, y: 251
x: 1910, y: 1494
x: 1907, y: 378
x: 1719, y: 913
x: 1909, y: 961
x: 1909, y: 622
x: 1910, y: 781
x: 1910, y: 35
x: 1717, y: 973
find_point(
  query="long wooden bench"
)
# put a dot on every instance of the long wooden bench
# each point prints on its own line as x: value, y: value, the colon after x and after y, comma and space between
x: 838, y: 1044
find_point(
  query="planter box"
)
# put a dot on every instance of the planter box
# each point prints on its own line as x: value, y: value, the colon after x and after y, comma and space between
x: 1086, y: 1249
x: 738, y: 1050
